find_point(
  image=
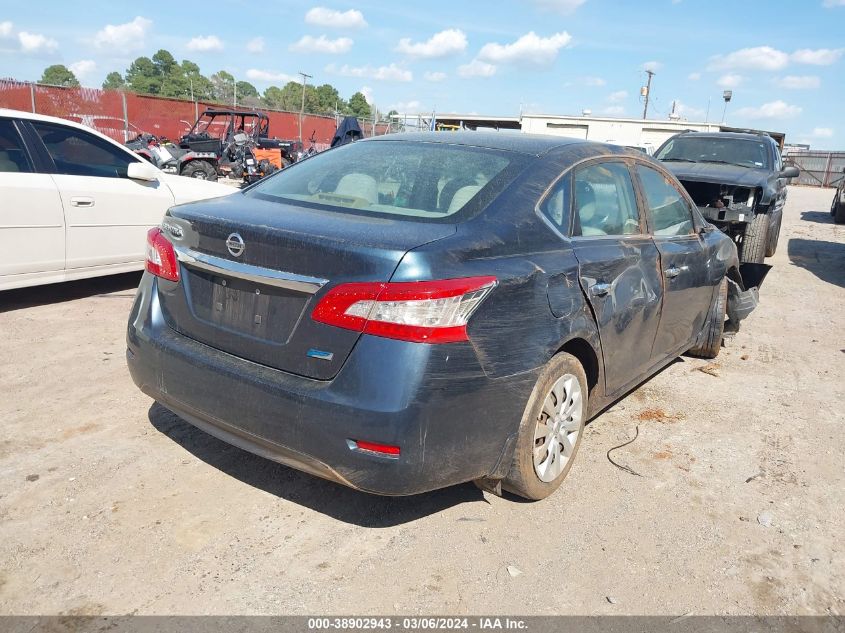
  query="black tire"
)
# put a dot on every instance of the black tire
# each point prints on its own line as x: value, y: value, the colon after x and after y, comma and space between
x: 774, y: 236
x: 839, y: 212
x: 755, y: 240
x: 714, y: 328
x: 522, y: 479
x: 200, y: 169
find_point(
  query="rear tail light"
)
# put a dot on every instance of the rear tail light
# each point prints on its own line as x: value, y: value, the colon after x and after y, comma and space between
x: 417, y: 311
x: 161, y: 258
x: 374, y: 447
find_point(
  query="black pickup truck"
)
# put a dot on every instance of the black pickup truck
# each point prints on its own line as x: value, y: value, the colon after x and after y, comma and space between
x: 738, y: 180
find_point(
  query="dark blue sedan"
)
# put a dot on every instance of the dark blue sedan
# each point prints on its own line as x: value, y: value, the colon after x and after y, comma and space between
x: 414, y: 311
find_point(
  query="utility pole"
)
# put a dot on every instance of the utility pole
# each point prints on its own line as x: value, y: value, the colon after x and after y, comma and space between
x: 646, y: 92
x: 305, y: 78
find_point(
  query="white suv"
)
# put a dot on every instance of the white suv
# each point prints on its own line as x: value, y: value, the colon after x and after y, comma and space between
x: 75, y: 204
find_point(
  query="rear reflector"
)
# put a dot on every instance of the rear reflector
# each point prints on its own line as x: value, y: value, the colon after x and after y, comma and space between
x: 161, y: 258
x: 373, y: 447
x: 416, y: 311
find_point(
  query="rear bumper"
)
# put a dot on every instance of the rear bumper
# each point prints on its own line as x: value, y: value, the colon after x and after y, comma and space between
x: 452, y: 423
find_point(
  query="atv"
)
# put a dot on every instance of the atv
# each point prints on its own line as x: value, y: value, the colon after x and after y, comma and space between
x: 220, y: 143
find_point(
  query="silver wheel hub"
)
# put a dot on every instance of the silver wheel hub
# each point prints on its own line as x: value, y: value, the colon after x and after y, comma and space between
x: 558, y: 427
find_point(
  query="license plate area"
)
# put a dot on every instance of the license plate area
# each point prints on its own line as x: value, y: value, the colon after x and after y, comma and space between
x: 259, y: 311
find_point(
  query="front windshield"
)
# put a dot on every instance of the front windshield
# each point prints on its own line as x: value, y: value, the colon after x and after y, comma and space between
x: 702, y: 149
x: 416, y: 179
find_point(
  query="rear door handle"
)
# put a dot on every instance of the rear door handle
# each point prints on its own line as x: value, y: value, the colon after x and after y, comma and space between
x: 599, y: 290
x: 82, y: 201
x: 672, y: 272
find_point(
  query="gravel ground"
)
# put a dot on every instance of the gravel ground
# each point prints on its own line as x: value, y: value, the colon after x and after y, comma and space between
x: 109, y: 504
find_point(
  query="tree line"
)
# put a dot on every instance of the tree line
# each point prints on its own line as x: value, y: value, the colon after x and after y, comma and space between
x: 163, y: 76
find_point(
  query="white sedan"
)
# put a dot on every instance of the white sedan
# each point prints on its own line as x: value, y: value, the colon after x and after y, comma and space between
x: 76, y: 204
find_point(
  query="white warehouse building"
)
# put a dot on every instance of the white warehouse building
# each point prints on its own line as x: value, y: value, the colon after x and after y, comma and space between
x: 645, y: 133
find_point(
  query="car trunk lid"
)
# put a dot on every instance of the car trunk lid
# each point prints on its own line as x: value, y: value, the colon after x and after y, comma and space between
x: 251, y: 272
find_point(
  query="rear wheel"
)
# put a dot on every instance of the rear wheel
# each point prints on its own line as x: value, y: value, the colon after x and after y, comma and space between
x: 200, y: 169
x: 714, y: 328
x: 838, y: 210
x: 755, y: 240
x: 550, y: 431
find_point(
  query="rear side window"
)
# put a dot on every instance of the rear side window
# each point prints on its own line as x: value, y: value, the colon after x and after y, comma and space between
x: 78, y: 153
x: 605, y: 203
x: 555, y: 206
x: 670, y: 213
x: 13, y: 156
x: 397, y: 178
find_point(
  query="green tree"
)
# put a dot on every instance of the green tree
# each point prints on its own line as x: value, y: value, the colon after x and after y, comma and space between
x: 358, y: 106
x: 328, y: 99
x: 114, y: 81
x: 246, y: 89
x: 164, y: 62
x: 223, y: 87
x: 199, y: 84
x: 273, y: 97
x: 142, y: 77
x: 59, y: 75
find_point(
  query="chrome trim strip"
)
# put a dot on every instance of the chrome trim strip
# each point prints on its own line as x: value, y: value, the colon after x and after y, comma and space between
x: 256, y: 274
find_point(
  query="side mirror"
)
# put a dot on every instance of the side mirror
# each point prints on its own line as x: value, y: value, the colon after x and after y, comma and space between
x: 789, y: 172
x: 142, y: 171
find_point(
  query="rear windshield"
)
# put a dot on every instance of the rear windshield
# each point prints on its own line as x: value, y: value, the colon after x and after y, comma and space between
x: 419, y: 180
x: 702, y: 149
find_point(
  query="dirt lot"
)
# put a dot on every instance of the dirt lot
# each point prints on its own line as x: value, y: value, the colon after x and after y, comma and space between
x: 109, y: 504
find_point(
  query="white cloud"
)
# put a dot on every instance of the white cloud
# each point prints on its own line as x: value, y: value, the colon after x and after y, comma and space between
x: 368, y: 93
x: 798, y: 82
x: 614, y: 110
x: 818, y: 57
x: 83, y: 67
x: 255, y: 45
x: 36, y: 43
x: 382, y: 73
x: 205, y: 43
x: 477, y: 68
x: 322, y: 44
x: 756, y: 58
x: 688, y: 112
x: 829, y: 4
x: 823, y: 132
x: 652, y: 66
x: 528, y: 49
x: 406, y: 107
x: 6, y: 29
x: 268, y: 76
x: 694, y: 76
x: 730, y: 81
x: 434, y: 76
x: 772, y: 110
x: 442, y: 44
x: 595, y: 82
x: 124, y: 37
x: 320, y: 16
x: 560, y: 6
x: 616, y: 97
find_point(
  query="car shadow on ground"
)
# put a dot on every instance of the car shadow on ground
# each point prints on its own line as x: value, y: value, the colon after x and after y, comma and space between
x: 822, y: 217
x: 826, y: 260
x: 22, y: 298
x: 334, y: 500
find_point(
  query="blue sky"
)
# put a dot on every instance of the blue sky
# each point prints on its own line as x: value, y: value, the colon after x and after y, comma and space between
x: 784, y: 61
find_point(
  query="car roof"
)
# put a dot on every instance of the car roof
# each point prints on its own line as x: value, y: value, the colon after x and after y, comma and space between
x: 534, y: 144
x: 748, y: 136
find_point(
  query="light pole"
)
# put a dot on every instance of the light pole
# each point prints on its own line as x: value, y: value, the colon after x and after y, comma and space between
x: 305, y: 78
x: 727, y: 95
x: 646, y: 92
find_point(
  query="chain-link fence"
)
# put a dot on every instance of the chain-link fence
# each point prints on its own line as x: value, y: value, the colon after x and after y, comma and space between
x: 123, y: 115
